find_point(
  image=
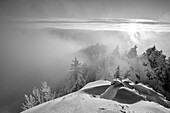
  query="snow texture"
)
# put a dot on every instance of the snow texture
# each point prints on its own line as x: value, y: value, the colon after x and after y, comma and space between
x: 87, y: 100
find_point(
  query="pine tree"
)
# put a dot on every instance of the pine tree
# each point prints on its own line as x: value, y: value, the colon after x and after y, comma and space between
x: 76, y: 80
x: 38, y: 96
x: 116, y: 52
x: 75, y: 66
x: 133, y: 52
x: 117, y: 73
x: 46, y: 92
x: 29, y: 102
x: 77, y: 74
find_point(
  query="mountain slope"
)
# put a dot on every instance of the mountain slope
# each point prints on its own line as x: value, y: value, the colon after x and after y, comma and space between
x: 86, y: 101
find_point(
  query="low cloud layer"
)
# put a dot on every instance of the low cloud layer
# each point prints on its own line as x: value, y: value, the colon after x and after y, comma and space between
x: 35, y: 52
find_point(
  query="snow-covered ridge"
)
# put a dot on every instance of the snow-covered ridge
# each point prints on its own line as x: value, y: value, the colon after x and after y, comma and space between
x: 84, y: 101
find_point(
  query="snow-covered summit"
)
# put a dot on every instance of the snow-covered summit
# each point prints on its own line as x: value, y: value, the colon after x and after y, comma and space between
x: 87, y: 100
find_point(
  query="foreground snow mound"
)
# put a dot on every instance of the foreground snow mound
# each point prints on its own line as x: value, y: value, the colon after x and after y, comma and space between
x: 88, y: 100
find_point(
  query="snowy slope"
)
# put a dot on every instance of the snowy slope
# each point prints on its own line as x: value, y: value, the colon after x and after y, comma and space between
x: 84, y: 101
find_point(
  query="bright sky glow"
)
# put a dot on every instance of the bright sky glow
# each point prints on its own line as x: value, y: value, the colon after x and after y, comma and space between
x: 133, y: 27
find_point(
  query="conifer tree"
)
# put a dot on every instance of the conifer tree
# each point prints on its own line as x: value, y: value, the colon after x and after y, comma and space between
x: 29, y: 102
x: 117, y: 73
x: 46, y: 92
x: 133, y: 52
x: 75, y: 66
x: 76, y: 78
x: 79, y: 80
x: 38, y: 96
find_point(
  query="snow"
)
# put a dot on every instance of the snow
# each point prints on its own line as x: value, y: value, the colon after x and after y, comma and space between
x: 96, y: 83
x: 84, y: 102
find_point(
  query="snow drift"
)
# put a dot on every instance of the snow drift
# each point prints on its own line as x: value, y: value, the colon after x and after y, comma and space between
x: 87, y: 100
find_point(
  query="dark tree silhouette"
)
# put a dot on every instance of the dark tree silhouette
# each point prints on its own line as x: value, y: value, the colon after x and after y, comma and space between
x: 132, y: 53
x: 117, y: 73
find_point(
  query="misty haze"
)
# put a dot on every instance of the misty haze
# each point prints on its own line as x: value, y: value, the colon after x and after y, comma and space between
x: 63, y: 56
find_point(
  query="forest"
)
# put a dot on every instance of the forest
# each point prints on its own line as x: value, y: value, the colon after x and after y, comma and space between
x: 152, y: 68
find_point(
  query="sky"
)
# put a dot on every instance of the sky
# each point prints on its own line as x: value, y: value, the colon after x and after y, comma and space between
x: 35, y: 52
x: 147, y: 9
